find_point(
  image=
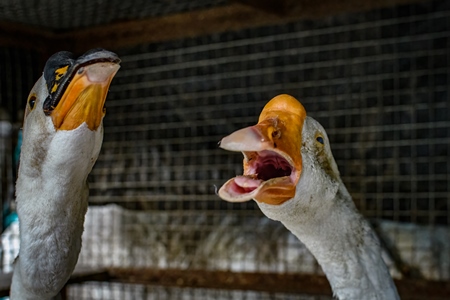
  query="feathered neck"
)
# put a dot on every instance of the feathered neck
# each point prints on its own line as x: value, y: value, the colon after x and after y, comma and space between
x: 52, y: 200
x: 342, y: 241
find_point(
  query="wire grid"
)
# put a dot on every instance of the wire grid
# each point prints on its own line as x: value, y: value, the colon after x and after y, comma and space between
x: 74, y: 14
x: 139, y: 292
x: 19, y: 70
x: 6, y: 176
x: 377, y: 81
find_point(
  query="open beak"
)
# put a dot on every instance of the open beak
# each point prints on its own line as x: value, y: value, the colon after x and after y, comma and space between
x: 272, y: 157
x: 80, y: 97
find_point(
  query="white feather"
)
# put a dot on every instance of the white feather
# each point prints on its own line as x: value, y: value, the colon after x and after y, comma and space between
x: 323, y: 216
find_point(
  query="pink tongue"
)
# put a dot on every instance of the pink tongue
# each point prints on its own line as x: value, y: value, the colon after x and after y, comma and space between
x: 247, y: 182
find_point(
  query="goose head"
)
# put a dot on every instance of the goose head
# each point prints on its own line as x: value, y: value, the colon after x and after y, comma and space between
x: 65, y: 109
x: 287, y: 157
x: 290, y: 172
x: 62, y: 137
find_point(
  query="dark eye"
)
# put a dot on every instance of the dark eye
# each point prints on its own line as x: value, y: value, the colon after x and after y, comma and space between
x: 319, y: 139
x: 32, y: 102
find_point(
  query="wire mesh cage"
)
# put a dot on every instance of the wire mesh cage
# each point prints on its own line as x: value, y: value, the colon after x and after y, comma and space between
x: 68, y: 15
x: 378, y: 81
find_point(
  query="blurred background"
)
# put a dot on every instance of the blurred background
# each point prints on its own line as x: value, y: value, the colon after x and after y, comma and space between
x: 375, y: 74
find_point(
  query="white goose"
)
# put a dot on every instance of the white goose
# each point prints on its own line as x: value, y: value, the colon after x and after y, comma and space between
x: 291, y: 173
x: 62, y: 137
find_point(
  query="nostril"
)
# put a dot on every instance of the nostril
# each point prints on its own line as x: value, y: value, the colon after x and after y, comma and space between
x: 276, y: 134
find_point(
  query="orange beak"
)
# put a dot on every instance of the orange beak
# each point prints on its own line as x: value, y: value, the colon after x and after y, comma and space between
x: 84, y: 98
x: 272, y: 154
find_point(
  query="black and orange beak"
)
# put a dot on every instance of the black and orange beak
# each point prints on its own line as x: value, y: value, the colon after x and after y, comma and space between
x: 272, y: 154
x: 78, y: 88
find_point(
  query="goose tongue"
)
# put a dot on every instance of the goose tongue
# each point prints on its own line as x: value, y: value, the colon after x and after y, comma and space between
x: 248, y: 182
x: 272, y: 157
x: 269, y: 172
x: 244, y: 188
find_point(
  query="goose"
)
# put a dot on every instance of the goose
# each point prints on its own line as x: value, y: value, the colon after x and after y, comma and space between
x: 290, y: 172
x: 62, y: 137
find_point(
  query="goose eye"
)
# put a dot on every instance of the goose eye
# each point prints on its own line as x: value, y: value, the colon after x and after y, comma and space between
x: 320, y: 139
x: 32, y: 102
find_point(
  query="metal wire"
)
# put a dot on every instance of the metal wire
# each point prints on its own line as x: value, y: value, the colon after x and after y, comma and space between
x: 379, y: 85
x: 63, y: 15
x: 139, y: 292
x: 378, y: 82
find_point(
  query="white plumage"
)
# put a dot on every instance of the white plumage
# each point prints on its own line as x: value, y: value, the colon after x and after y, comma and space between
x: 290, y: 172
x: 116, y: 237
x: 62, y: 138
